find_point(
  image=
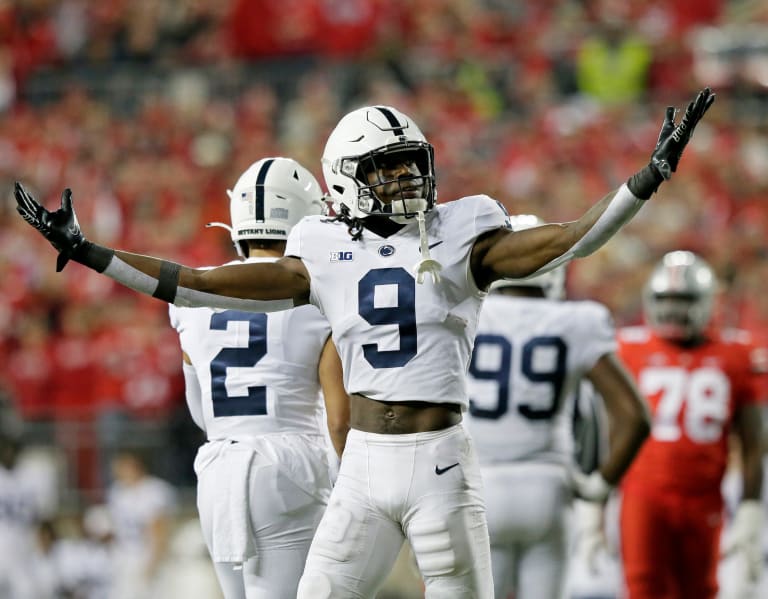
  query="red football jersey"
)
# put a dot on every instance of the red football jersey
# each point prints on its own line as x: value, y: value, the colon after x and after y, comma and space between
x: 693, y: 394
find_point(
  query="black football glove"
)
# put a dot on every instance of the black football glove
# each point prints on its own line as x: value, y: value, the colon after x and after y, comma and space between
x: 673, y: 138
x: 60, y: 228
x: 669, y: 147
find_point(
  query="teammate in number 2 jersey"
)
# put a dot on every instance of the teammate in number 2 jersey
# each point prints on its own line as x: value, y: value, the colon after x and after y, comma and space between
x: 701, y: 384
x: 253, y: 385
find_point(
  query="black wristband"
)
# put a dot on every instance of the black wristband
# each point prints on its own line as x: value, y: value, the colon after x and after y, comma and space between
x: 93, y: 256
x: 167, y: 281
x: 644, y: 183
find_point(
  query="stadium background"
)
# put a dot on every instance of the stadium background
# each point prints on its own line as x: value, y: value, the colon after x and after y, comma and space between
x: 149, y: 111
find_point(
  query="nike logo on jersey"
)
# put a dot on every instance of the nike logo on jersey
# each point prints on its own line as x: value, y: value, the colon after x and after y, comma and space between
x: 431, y: 245
x: 440, y: 471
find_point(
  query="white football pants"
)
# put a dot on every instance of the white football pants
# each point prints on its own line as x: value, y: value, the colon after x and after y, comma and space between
x: 528, y: 510
x: 425, y: 487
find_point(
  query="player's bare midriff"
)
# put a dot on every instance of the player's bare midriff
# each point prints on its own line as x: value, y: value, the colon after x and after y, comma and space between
x: 400, y: 418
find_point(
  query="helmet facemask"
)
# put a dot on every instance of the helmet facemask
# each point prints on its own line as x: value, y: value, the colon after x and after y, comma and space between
x: 409, y: 193
x: 679, y: 297
x: 678, y: 317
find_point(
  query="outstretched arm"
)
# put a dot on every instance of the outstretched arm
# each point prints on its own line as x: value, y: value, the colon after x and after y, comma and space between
x: 507, y: 254
x: 255, y: 287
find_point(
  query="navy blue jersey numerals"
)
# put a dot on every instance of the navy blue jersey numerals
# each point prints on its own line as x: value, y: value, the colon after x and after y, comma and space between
x: 255, y: 403
x: 403, y: 315
x: 502, y: 375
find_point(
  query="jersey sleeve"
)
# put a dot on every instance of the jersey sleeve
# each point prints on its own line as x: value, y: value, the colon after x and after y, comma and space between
x: 293, y: 244
x: 173, y: 316
x: 490, y: 214
x: 599, y: 330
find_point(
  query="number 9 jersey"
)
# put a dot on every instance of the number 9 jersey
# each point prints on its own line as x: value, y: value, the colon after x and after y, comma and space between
x: 399, y: 340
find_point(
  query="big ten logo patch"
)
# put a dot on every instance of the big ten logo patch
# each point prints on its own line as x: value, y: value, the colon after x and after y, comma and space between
x: 341, y: 256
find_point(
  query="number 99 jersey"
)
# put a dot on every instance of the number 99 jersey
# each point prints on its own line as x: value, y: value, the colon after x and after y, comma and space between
x: 257, y: 372
x: 399, y: 340
x: 529, y: 356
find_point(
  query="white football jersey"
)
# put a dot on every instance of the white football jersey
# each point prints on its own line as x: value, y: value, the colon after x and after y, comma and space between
x: 132, y: 508
x: 257, y: 372
x: 529, y: 357
x: 399, y: 340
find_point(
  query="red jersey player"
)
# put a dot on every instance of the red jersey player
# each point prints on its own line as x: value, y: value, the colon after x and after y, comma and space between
x: 701, y: 384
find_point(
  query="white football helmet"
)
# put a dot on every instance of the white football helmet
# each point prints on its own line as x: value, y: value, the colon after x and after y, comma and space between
x: 552, y: 282
x: 363, y: 142
x: 269, y: 198
x: 679, y: 297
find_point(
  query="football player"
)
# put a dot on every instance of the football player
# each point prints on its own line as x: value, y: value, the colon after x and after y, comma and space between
x: 701, y: 384
x: 404, y: 338
x: 142, y: 508
x: 531, y: 351
x: 253, y: 385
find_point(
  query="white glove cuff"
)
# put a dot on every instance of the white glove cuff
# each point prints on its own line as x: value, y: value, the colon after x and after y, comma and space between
x: 592, y: 487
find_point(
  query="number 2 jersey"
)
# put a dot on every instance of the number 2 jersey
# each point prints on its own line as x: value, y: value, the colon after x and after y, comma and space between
x: 399, y: 340
x: 530, y: 355
x: 257, y: 372
x: 693, y: 394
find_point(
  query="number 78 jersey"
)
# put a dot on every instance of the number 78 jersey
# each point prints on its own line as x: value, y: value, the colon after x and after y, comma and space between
x: 693, y: 394
x: 399, y: 340
x: 529, y: 356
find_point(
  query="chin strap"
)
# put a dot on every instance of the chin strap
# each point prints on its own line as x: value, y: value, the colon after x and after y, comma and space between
x: 426, y: 264
x: 238, y: 249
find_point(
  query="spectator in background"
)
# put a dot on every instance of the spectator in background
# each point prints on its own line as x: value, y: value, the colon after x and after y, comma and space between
x: 612, y: 63
x: 23, y: 506
x: 701, y: 384
x: 142, y: 508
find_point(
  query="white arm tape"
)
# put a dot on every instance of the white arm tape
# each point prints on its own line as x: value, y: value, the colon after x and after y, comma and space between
x: 193, y: 394
x: 622, y: 207
x: 191, y: 298
x: 124, y: 273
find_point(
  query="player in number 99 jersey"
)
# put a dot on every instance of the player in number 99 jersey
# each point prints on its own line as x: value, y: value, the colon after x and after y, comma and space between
x: 253, y: 384
x: 531, y: 352
x: 701, y: 384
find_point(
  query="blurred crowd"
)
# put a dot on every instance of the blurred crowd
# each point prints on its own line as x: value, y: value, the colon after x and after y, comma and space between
x: 150, y: 110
